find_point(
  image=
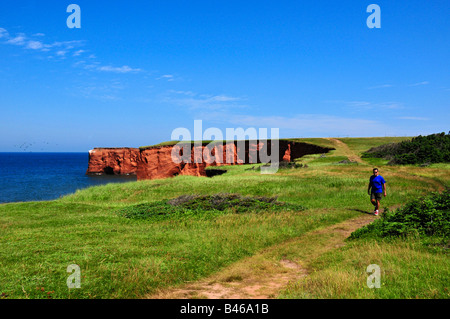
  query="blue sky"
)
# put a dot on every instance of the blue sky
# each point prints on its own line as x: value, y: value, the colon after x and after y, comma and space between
x: 137, y: 70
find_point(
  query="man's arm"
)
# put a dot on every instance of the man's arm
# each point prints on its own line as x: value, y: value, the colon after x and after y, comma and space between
x: 384, y: 189
x: 368, y: 190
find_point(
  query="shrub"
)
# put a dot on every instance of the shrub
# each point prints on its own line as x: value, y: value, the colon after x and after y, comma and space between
x: 427, y: 216
x: 204, y: 206
x: 433, y: 148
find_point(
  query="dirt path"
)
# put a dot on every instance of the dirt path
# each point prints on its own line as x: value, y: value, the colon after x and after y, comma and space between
x: 345, y: 150
x: 263, y: 275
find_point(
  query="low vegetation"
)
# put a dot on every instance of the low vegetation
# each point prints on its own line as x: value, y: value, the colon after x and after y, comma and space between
x: 206, y: 206
x: 409, y: 270
x: 410, y: 245
x: 131, y: 240
x: 429, y: 149
x: 428, y: 216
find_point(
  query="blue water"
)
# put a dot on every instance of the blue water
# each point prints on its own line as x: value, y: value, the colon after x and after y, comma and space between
x: 47, y: 176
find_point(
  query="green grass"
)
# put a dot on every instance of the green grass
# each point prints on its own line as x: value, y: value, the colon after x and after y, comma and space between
x: 408, y: 270
x: 123, y: 257
x: 360, y: 145
x: 204, y: 207
x: 171, y: 143
x: 410, y: 245
x: 428, y: 216
x: 317, y: 160
x: 315, y: 141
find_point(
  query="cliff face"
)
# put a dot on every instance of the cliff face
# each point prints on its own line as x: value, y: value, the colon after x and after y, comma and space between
x: 168, y: 161
x: 158, y: 162
x: 113, y: 161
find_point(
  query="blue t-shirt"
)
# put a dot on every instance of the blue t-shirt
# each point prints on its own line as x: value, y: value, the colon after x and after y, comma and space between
x: 377, y: 183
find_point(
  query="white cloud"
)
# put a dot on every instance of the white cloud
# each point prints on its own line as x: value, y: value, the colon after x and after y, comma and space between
x: 35, y: 45
x: 67, y: 44
x: 366, y: 105
x: 310, y: 122
x: 3, y: 33
x: 319, y: 125
x: 92, y: 66
x: 388, y: 105
x: 22, y: 40
x: 358, y: 104
x: 106, y: 91
x: 168, y: 77
x: 78, y: 53
x: 18, y: 40
x: 380, y: 86
x: 224, y: 98
x: 193, y: 100
x: 123, y: 69
x: 413, y: 118
x: 420, y: 83
x: 188, y: 93
x: 65, y: 49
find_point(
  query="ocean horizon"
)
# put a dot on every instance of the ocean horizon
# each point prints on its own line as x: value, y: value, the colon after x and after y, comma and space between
x: 43, y: 176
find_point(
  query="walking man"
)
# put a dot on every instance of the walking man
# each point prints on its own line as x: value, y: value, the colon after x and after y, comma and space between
x: 377, y: 186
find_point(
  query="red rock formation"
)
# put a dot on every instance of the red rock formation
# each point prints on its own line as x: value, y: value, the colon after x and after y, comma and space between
x: 189, y: 159
x: 163, y: 162
x: 113, y: 161
x: 287, y: 154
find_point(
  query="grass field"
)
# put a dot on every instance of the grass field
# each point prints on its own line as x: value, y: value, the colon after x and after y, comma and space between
x: 125, y: 258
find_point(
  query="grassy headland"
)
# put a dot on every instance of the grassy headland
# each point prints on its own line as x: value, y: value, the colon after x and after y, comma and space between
x: 123, y: 257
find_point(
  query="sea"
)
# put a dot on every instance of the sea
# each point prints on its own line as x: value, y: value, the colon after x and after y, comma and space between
x: 30, y: 176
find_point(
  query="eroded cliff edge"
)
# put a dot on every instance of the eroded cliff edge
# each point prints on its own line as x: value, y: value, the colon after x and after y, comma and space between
x: 156, y: 162
x: 113, y: 161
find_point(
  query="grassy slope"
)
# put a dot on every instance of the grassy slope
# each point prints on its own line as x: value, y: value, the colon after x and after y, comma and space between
x: 360, y: 145
x: 408, y: 270
x: 317, y: 141
x: 120, y: 258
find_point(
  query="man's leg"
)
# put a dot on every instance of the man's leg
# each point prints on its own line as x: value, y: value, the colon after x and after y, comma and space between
x: 374, y: 202
x: 380, y: 196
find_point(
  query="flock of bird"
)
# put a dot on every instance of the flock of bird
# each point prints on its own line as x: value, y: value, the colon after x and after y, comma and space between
x: 27, y: 146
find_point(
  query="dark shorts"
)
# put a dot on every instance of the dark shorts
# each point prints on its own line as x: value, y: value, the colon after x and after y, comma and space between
x: 377, y: 196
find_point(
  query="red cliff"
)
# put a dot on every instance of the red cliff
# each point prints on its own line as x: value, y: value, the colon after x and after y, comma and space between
x: 158, y: 162
x: 113, y: 161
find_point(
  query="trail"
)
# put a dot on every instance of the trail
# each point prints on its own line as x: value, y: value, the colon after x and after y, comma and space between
x: 345, y: 150
x: 262, y: 276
